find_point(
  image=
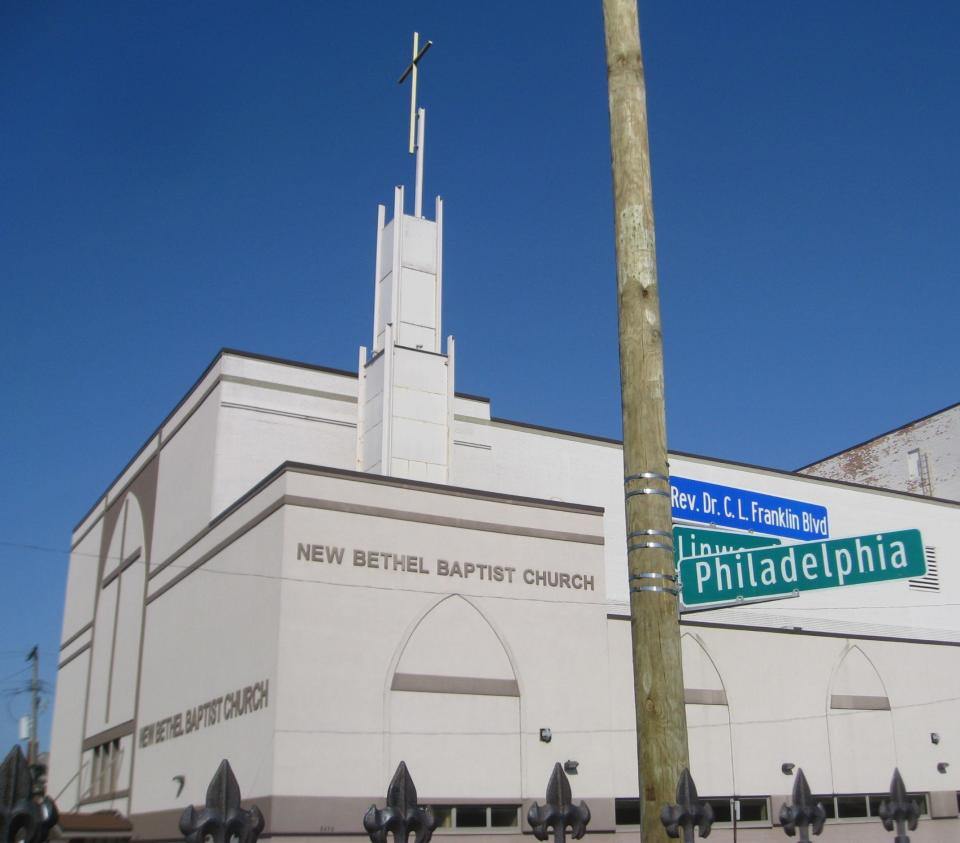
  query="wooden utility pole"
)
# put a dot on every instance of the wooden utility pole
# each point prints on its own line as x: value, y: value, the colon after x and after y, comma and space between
x: 657, y: 673
x: 33, y: 746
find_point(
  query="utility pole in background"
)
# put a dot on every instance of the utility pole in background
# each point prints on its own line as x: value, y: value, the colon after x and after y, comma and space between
x: 33, y: 749
x: 654, y: 615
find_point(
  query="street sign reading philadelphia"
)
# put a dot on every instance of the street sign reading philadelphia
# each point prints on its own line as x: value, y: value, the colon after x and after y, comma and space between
x: 765, y: 572
x: 694, y: 541
x: 726, y: 506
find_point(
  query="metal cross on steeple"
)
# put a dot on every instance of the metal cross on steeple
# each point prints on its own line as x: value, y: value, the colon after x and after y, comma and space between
x: 417, y: 119
x: 411, y: 70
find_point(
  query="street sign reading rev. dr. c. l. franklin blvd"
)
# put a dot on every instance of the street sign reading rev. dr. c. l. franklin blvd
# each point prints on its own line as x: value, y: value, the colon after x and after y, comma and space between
x: 727, y: 506
x: 766, y: 572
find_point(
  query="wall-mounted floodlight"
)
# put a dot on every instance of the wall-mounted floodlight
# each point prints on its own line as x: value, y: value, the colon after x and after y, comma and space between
x: 942, y: 766
x: 787, y: 768
x: 546, y: 735
x: 934, y: 737
x: 571, y: 767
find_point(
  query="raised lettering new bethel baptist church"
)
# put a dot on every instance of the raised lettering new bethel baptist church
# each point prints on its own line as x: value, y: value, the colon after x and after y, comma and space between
x: 318, y: 573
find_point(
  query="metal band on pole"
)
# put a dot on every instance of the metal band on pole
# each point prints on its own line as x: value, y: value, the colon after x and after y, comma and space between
x: 646, y: 475
x: 656, y: 588
x: 646, y: 491
x: 651, y: 575
x: 648, y: 532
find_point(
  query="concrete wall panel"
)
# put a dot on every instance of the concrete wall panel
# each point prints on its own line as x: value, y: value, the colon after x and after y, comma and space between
x: 459, y: 744
x: 255, y: 435
x: 420, y: 244
x: 229, y: 606
x: 66, y: 736
x: 418, y: 304
x: 81, y: 583
x: 126, y: 659
x: 419, y: 371
x: 185, y: 482
x: 103, y: 645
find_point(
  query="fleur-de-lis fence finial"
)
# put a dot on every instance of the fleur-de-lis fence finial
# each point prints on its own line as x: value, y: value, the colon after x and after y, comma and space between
x: 222, y: 817
x: 558, y: 811
x: 22, y: 818
x: 802, y: 813
x: 401, y: 816
x: 688, y: 813
x: 899, y: 810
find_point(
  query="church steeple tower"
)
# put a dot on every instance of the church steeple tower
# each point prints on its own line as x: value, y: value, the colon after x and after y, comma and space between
x: 405, y: 398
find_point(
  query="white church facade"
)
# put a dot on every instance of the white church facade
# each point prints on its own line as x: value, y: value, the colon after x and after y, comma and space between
x: 317, y: 573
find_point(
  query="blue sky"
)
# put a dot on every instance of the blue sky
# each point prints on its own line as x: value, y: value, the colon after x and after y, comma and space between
x: 180, y: 177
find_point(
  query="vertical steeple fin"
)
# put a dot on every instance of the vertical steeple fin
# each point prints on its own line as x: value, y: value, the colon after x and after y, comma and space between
x: 405, y: 399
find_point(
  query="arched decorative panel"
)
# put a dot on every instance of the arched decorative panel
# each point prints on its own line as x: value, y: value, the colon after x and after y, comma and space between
x: 454, y: 707
x: 115, y: 662
x: 708, y: 721
x: 862, y: 748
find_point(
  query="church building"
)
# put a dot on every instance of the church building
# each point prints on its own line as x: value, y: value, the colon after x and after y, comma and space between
x: 318, y: 573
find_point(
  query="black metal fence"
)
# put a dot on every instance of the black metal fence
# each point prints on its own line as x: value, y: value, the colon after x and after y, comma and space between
x: 26, y: 816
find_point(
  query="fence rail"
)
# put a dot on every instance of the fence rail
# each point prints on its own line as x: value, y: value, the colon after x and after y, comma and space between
x: 27, y: 816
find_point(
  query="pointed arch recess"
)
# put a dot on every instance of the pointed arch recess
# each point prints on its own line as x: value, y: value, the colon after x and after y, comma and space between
x: 708, y: 719
x: 860, y: 733
x: 856, y: 684
x: 453, y: 648
x: 453, y: 708
x: 702, y: 683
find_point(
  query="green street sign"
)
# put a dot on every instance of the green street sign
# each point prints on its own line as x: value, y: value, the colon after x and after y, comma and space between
x: 766, y: 572
x: 694, y: 541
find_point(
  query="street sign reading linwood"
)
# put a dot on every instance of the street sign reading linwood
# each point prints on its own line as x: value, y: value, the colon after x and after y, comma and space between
x: 697, y: 541
x: 765, y: 572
